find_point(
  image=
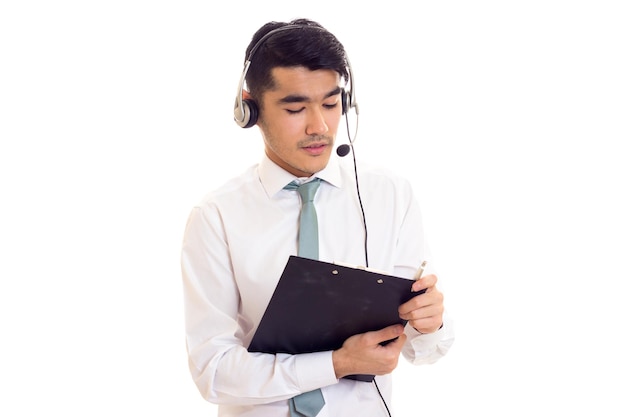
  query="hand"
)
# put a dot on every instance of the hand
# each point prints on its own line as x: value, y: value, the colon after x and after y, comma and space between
x: 425, y: 311
x: 364, y: 354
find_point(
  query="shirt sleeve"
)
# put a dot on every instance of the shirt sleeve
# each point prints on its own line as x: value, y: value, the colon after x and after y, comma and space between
x: 428, y: 348
x: 412, y: 250
x: 221, y: 367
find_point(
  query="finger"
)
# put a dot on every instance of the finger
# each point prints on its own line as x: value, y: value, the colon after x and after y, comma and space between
x: 420, y: 301
x: 424, y: 283
x: 427, y: 325
x: 388, y: 333
x: 433, y: 310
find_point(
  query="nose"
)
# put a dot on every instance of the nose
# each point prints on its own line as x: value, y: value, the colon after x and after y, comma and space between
x: 316, y: 123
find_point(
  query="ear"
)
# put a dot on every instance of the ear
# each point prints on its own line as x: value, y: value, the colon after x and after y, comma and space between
x: 246, y: 95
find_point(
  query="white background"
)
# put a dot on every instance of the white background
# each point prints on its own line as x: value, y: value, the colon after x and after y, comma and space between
x: 116, y: 117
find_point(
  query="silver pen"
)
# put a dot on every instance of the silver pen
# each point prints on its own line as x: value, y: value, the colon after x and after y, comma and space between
x: 419, y: 272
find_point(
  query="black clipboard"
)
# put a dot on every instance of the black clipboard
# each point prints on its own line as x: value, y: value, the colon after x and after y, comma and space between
x: 317, y: 305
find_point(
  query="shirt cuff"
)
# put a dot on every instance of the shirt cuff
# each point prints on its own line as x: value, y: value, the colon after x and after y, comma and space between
x: 315, y: 370
x: 424, y: 348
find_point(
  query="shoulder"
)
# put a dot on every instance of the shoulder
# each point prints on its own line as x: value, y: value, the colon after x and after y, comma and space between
x: 232, y: 189
x: 380, y: 177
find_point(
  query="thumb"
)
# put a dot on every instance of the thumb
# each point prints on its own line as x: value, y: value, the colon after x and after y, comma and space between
x: 388, y: 333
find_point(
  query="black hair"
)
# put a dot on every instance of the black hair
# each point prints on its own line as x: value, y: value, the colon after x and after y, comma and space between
x: 305, y: 44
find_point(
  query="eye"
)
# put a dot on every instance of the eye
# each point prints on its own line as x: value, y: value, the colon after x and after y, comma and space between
x: 290, y: 111
x: 331, y: 105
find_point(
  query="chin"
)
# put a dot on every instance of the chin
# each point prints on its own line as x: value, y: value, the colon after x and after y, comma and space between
x: 320, y: 164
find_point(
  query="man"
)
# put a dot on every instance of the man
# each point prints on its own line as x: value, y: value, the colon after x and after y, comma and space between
x: 238, y: 240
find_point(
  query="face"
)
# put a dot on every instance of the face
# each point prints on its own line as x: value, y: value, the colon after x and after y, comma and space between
x: 299, y: 118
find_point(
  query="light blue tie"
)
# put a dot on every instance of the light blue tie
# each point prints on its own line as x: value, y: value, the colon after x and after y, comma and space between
x: 310, y: 403
x: 308, y: 245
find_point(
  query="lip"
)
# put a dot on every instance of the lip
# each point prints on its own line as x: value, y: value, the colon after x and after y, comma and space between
x: 315, y: 148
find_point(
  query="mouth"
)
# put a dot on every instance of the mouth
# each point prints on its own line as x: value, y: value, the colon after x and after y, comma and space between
x: 316, y: 148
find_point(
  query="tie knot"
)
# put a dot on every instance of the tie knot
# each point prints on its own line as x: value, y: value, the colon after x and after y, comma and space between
x: 306, y: 190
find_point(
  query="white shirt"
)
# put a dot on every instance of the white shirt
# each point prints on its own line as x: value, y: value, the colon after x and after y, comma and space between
x: 236, y: 244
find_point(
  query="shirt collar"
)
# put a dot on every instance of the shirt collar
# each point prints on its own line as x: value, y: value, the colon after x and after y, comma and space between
x: 274, y: 178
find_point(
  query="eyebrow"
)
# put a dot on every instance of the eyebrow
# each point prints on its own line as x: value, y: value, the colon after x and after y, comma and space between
x: 296, y: 98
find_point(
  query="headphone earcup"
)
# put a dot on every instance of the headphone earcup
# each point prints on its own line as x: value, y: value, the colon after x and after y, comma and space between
x: 345, y: 101
x: 248, y: 115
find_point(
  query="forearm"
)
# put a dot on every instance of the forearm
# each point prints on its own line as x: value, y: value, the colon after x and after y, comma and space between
x: 221, y: 366
x: 237, y: 377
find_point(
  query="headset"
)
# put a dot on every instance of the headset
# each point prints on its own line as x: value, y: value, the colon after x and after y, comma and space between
x: 247, y: 111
